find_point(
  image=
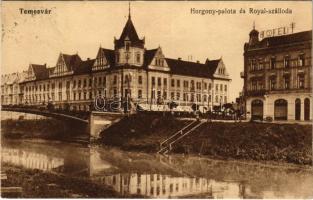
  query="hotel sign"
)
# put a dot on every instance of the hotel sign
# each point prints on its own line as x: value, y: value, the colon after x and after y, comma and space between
x: 277, y: 31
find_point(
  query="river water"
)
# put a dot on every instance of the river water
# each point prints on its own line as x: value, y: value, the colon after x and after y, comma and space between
x: 159, y: 176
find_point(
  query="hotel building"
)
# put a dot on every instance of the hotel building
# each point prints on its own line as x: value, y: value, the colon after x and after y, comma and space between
x: 277, y: 76
x: 130, y: 70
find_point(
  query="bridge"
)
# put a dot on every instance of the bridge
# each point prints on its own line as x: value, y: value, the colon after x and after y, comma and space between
x: 47, y: 113
x: 95, y: 122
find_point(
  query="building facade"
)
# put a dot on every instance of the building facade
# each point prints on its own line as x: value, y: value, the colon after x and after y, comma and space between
x: 131, y: 71
x: 11, y: 89
x: 277, y: 76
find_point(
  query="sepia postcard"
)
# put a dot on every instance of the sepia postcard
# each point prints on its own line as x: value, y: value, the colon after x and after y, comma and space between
x: 156, y: 99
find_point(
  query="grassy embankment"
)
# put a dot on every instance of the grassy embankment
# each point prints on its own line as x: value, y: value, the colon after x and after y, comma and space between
x: 249, y: 141
x: 39, y: 184
x: 40, y: 128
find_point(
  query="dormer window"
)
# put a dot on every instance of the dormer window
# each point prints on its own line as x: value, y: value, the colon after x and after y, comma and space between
x: 127, y: 45
x: 138, y: 57
x: 117, y: 57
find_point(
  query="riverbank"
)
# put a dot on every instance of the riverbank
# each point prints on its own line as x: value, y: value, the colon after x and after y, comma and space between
x: 289, y: 143
x: 40, y: 184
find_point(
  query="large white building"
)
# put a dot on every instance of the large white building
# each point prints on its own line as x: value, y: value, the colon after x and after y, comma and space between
x: 129, y: 70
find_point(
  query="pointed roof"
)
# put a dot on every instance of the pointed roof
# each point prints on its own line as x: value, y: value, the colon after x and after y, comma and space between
x: 109, y: 55
x: 148, y: 56
x: 84, y: 67
x: 196, y: 69
x: 129, y: 33
x: 71, y: 60
x: 40, y: 71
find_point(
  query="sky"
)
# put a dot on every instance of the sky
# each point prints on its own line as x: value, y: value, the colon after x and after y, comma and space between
x: 82, y: 26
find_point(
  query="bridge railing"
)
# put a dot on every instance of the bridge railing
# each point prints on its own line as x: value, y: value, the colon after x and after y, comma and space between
x: 79, y: 114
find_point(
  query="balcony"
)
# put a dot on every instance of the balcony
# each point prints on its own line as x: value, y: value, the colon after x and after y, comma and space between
x: 255, y: 93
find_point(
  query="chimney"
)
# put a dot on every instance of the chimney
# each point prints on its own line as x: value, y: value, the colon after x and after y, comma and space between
x: 198, y: 61
x: 88, y: 58
x: 179, y: 58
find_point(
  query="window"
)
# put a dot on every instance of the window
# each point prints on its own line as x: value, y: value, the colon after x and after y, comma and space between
x: 99, y: 82
x: 254, y: 85
x: 164, y: 94
x: 216, y: 99
x: 273, y: 63
x: 153, y: 81
x: 186, y: 83
x: 205, y: 86
x: 198, y: 85
x: 216, y: 87
x: 287, y: 82
x: 117, y: 57
x: 221, y: 87
x: 127, y: 45
x: 173, y: 82
x: 225, y: 99
x: 177, y: 96
x: 139, y: 79
x: 127, y: 79
x: 85, y: 83
x: 287, y: 61
x: 301, y: 81
x: 253, y: 65
x: 114, y: 79
x: 159, y: 81
x: 138, y: 57
x: 185, y: 97
x: 67, y: 85
x: 153, y: 94
x: 90, y: 82
x: 260, y: 66
x: 273, y: 83
x: 165, y: 81
x: 301, y: 60
x: 60, y: 85
x: 178, y: 83
x: 79, y: 83
x: 225, y: 88
x: 104, y: 81
x: 192, y: 85
x: 210, y: 97
x: 205, y: 98
x: 198, y: 98
x: 172, y: 95
x: 210, y: 86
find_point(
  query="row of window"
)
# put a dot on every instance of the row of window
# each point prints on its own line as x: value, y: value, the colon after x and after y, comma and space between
x: 258, y: 84
x: 258, y: 64
x: 127, y: 56
x: 89, y: 95
x: 176, y: 83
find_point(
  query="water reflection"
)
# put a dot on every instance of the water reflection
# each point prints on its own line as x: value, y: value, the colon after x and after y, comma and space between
x: 161, y: 177
x: 164, y: 186
x: 30, y: 160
